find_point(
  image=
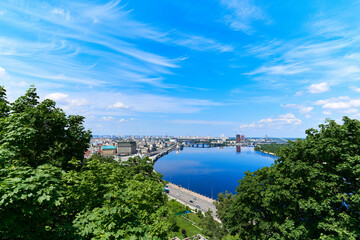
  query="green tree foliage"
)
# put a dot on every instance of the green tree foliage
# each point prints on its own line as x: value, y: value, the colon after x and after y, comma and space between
x: 271, y: 148
x: 311, y: 192
x: 223, y: 204
x: 48, y: 191
x: 108, y: 202
x: 4, y: 104
x: 211, y: 228
x: 30, y: 202
x: 33, y: 133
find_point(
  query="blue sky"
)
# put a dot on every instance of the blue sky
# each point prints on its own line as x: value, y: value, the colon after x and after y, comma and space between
x: 187, y: 67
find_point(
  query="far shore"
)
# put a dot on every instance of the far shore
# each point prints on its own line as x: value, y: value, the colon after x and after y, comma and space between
x: 270, y: 153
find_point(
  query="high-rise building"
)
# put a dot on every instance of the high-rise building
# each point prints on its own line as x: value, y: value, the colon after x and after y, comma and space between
x: 237, y: 138
x: 243, y: 138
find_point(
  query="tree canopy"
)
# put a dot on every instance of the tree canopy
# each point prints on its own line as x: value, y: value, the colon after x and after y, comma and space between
x: 49, y: 191
x: 311, y: 192
x: 33, y: 133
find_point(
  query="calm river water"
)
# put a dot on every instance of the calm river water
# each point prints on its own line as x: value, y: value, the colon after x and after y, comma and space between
x: 210, y: 171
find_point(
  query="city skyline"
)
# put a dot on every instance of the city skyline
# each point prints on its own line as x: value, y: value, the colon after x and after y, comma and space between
x: 186, y: 68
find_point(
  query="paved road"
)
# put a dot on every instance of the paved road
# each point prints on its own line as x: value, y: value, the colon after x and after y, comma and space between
x: 198, y: 201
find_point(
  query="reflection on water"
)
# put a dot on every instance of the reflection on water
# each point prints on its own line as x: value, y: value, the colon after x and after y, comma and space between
x: 210, y: 171
x: 238, y: 149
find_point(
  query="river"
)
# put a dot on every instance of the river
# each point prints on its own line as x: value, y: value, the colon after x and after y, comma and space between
x: 210, y: 171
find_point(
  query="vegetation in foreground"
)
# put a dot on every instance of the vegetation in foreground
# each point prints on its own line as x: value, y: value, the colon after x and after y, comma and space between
x: 311, y: 192
x: 48, y: 191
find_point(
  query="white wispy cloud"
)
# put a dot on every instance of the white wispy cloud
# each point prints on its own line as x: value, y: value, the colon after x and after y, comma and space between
x: 339, y: 103
x: 66, y: 102
x: 201, y: 43
x: 327, y: 54
x: 107, y: 118
x: 356, y: 89
x: 3, y: 74
x: 279, y: 70
x: 302, y: 108
x: 68, y: 28
x: 251, y: 125
x: 350, y: 111
x: 299, y: 93
x: 165, y: 104
x: 288, y: 118
x: 319, y: 87
x: 266, y: 49
x: 119, y: 105
x: 242, y: 15
x: 57, y: 96
x: 61, y: 12
x: 87, y: 103
x: 276, y: 122
x: 47, y: 52
x: 202, y: 122
x: 305, y: 109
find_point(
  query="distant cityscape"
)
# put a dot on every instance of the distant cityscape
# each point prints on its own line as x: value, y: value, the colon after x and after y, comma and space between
x: 156, y: 146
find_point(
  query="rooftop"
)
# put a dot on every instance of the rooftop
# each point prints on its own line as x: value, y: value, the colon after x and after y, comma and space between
x: 108, y: 148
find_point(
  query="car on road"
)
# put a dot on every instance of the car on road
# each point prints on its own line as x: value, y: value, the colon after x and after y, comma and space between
x: 191, y: 201
x: 197, y: 206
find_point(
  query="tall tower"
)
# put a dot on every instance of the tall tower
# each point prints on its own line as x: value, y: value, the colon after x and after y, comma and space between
x: 237, y: 138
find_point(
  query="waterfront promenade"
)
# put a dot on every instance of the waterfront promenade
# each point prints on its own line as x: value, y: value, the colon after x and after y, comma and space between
x: 192, y: 199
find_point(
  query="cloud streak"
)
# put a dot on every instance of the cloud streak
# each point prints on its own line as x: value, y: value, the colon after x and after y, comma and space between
x: 327, y: 55
x: 242, y: 14
x: 70, y: 31
x: 338, y: 103
x: 319, y: 88
x: 202, y: 122
x: 276, y: 122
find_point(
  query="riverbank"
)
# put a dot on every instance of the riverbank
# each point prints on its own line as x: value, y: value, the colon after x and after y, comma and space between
x: 270, y: 153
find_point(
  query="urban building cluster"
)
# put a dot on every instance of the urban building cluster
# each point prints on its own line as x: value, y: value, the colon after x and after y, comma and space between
x: 125, y: 146
x: 128, y: 146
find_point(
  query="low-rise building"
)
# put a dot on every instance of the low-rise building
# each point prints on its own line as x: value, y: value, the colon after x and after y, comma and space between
x: 108, y: 150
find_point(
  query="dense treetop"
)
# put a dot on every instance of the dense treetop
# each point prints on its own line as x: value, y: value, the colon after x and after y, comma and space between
x: 49, y: 191
x: 311, y: 192
x: 33, y: 133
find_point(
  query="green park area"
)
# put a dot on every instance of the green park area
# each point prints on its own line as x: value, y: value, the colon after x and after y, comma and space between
x: 193, y: 223
x: 182, y: 222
